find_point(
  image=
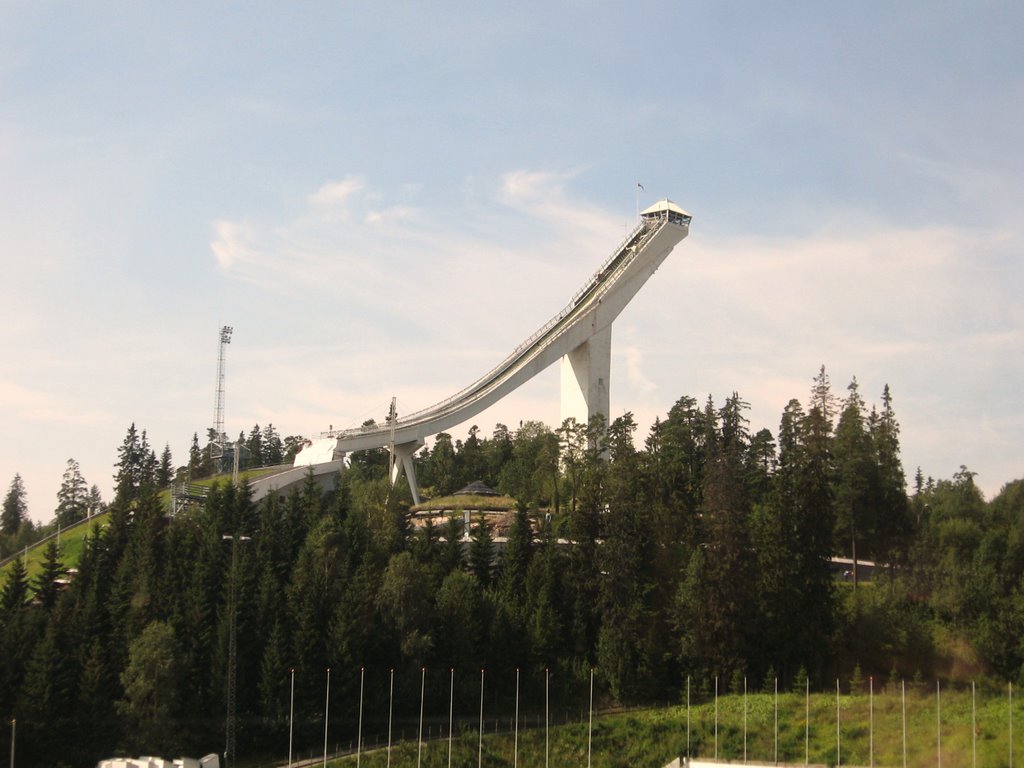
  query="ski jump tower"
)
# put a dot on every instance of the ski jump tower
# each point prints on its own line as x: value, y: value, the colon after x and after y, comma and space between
x: 580, y: 336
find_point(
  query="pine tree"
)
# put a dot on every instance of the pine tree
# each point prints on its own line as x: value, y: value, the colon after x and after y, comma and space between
x: 452, y: 556
x: 94, y: 502
x: 150, y: 464
x: 515, y: 561
x: 724, y: 579
x: 15, y: 592
x: 405, y: 606
x: 254, y: 446
x: 18, y: 633
x: 441, y: 465
x: 45, y: 695
x: 546, y: 618
x: 497, y: 453
x: 72, y: 498
x: 195, y: 457
x: 894, y: 518
x: 48, y: 581
x: 625, y: 623
x: 472, y: 458
x: 856, y: 479
x: 481, y: 551
x: 130, y: 467
x: 15, y: 510
x: 95, y: 725
x: 165, y: 471
x: 460, y: 620
x: 151, y: 683
x: 273, y: 448
x: 794, y: 544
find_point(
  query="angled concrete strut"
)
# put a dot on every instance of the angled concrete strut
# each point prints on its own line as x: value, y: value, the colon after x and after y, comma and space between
x: 580, y: 333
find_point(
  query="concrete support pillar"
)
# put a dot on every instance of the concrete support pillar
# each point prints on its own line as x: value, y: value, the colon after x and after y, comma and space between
x: 403, y: 464
x: 586, y: 371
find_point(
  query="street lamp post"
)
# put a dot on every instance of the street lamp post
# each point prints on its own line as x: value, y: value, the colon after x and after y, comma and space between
x: 229, y: 719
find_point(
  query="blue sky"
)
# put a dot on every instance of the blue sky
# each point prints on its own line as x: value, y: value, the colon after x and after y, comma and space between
x: 385, y: 198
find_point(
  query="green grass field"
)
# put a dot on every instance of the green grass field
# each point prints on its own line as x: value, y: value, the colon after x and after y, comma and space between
x: 655, y: 737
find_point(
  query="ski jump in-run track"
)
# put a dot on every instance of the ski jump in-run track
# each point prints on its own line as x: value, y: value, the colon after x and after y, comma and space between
x: 580, y: 335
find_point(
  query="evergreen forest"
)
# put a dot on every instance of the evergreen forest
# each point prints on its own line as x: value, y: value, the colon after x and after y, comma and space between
x: 699, y: 551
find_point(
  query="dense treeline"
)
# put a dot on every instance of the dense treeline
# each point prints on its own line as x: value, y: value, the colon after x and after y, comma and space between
x: 705, y: 552
x: 76, y: 501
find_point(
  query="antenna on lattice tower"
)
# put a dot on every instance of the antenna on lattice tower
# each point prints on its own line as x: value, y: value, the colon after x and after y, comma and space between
x: 219, y: 438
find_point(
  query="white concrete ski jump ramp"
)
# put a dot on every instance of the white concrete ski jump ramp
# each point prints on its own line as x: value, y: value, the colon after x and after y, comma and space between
x: 579, y: 335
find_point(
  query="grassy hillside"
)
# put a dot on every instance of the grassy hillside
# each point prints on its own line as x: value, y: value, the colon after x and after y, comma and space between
x: 655, y: 737
x: 72, y: 540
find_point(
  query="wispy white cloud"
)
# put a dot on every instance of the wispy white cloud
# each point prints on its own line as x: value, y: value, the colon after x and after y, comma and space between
x: 393, y: 214
x: 337, y: 194
x: 232, y: 245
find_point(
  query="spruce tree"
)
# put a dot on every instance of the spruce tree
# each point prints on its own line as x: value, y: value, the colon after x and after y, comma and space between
x: 73, y: 496
x: 152, y: 685
x: 15, y: 509
x: 45, y: 699
x: 481, y: 551
x: 130, y: 463
x: 273, y: 448
x: 856, y: 480
x: 165, y: 471
x: 254, y: 447
x: 19, y: 631
x: 15, y: 593
x: 894, y: 512
x: 515, y: 562
x: 48, y: 581
x: 94, y: 501
x: 96, y: 723
x: 460, y: 621
x: 195, y: 458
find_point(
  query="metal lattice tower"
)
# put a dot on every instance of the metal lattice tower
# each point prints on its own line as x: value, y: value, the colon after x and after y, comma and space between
x: 219, y: 438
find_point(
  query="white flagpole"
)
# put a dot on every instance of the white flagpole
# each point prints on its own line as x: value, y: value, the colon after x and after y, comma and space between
x: 807, y: 721
x: 451, y: 709
x: 480, y: 745
x: 974, y: 728
x: 327, y: 711
x: 419, y: 739
x: 291, y: 720
x: 903, y: 697
x: 776, y: 721
x: 547, y: 720
x: 391, y: 700
x: 515, y: 741
x: 590, y: 725
x: 839, y: 748
x: 359, y: 733
x: 744, y: 719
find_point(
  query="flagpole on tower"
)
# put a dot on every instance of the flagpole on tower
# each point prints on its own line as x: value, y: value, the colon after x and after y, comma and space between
x: 639, y: 188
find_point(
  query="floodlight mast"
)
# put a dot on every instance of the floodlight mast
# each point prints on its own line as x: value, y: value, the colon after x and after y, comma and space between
x: 219, y: 438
